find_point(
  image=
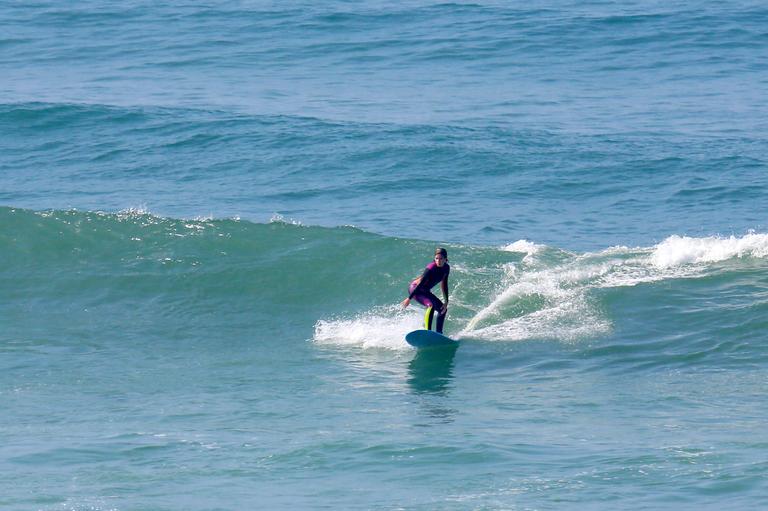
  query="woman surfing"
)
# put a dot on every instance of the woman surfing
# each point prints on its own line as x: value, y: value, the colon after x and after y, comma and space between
x: 420, y: 289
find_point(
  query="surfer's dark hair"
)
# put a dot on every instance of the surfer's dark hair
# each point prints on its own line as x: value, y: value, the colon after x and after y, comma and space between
x: 443, y: 252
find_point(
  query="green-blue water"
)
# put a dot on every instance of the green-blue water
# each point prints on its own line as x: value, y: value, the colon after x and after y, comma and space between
x: 210, y: 213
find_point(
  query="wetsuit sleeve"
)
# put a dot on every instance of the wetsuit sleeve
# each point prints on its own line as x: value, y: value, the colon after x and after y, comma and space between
x: 444, y: 283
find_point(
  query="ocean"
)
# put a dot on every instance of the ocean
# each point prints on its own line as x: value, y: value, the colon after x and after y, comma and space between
x: 211, y: 211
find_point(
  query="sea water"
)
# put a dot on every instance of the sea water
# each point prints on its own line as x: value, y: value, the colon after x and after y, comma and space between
x: 209, y: 213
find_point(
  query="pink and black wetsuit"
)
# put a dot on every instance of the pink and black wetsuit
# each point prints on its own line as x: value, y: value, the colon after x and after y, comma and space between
x: 433, y: 274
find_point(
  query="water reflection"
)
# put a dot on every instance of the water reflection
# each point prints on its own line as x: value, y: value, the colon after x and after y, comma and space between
x: 431, y: 370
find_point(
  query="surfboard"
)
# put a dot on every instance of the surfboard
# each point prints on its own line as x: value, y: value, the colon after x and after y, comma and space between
x: 428, y: 338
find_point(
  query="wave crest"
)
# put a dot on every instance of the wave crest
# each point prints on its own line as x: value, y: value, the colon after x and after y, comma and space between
x: 680, y: 250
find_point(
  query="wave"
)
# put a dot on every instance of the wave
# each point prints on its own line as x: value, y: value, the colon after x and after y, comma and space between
x: 346, y: 283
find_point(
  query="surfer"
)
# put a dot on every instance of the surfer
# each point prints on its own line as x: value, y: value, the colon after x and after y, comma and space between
x: 420, y: 289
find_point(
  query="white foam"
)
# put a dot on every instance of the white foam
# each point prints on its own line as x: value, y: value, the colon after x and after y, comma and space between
x: 526, y: 247
x: 564, y: 312
x: 537, y: 284
x: 277, y: 218
x: 682, y: 250
x: 523, y: 246
x: 568, y: 321
x: 131, y: 212
x: 377, y: 329
x: 561, y: 297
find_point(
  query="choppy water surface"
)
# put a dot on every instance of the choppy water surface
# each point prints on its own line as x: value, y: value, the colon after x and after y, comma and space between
x: 209, y: 214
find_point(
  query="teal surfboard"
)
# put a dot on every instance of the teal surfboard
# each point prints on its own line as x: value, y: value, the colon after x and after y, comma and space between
x: 428, y: 338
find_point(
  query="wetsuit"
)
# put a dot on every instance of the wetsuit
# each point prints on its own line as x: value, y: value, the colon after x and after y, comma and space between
x: 432, y: 275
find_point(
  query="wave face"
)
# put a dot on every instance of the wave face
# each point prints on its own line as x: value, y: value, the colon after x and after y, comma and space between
x: 347, y: 283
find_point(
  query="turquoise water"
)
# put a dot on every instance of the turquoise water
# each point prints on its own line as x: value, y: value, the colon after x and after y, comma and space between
x: 209, y: 214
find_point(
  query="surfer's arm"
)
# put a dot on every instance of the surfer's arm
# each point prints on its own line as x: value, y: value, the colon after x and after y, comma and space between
x: 418, y: 284
x: 418, y: 281
x: 444, y: 288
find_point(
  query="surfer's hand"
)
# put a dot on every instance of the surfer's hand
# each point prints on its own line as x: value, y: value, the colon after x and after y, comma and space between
x: 444, y: 309
x: 406, y: 303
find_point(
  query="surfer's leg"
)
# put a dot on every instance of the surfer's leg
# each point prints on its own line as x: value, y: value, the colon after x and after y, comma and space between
x: 428, y: 316
x: 440, y: 321
x: 435, y: 306
x: 430, y: 313
x: 432, y: 303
